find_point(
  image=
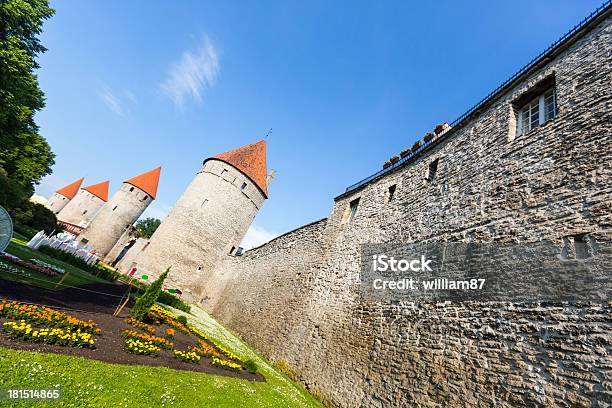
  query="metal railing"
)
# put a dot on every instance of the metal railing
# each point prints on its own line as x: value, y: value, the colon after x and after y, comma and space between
x: 483, y: 101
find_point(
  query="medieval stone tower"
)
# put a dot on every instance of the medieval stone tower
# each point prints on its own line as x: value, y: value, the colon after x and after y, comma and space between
x: 121, y: 212
x: 209, y: 220
x: 82, y: 209
x: 61, y: 197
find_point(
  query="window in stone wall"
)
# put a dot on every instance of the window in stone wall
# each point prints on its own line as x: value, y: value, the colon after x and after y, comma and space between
x: 114, y: 208
x: 131, y: 189
x: 537, y: 111
x: 353, y: 209
x: 391, y: 192
x: 145, y: 198
x: 432, y: 169
x: 84, y: 212
x: 243, y: 186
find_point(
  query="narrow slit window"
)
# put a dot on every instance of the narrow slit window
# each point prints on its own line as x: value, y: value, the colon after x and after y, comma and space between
x: 391, y: 192
x: 84, y: 212
x: 131, y: 189
x: 114, y: 208
x: 353, y: 209
x: 432, y: 169
x: 243, y: 186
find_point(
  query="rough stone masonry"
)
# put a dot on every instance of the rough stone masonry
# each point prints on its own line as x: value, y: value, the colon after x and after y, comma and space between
x: 295, y: 298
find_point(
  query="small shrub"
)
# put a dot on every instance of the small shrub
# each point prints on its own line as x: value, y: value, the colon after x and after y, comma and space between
x: 182, y: 319
x: 173, y: 301
x: 251, y: 366
x: 148, y: 298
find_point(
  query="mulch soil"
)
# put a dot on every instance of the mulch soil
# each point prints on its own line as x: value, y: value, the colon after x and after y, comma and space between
x: 109, y: 343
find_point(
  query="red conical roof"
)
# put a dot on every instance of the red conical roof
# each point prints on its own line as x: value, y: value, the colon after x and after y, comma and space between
x: 250, y: 160
x: 147, y: 182
x: 100, y: 190
x: 71, y: 189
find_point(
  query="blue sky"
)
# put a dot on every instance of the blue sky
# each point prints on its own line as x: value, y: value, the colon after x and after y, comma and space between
x: 344, y: 85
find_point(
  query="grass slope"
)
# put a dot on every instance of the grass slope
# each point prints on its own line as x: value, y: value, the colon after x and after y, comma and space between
x: 95, y: 384
x: 76, y: 276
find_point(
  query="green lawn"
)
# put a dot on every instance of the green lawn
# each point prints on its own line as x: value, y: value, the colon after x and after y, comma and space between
x: 75, y: 276
x: 95, y: 384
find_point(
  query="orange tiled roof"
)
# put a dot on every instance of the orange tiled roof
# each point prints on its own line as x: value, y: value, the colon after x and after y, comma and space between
x: 71, y: 189
x: 147, y: 182
x: 100, y: 190
x: 250, y: 160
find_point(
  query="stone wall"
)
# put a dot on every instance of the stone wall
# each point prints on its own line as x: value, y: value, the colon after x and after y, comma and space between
x: 295, y: 298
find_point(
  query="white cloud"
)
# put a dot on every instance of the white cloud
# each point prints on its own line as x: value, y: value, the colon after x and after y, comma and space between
x: 257, y: 236
x: 195, y: 72
x: 111, y: 100
x: 116, y: 101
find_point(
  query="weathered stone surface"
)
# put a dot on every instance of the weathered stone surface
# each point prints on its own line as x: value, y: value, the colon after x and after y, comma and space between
x: 296, y: 301
x: 114, y: 218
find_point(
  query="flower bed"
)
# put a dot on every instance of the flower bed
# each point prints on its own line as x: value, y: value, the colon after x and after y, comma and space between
x: 227, y: 353
x: 140, y: 325
x: 228, y: 365
x: 197, y: 332
x: 189, y: 356
x: 28, y: 265
x: 158, y: 341
x: 135, y: 346
x: 170, y: 333
x: 160, y: 314
x: 206, y: 350
x: 24, y: 331
x: 43, y: 315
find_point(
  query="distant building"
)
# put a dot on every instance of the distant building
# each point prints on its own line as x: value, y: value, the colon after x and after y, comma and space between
x: 61, y: 197
x: 82, y: 209
x: 118, y: 214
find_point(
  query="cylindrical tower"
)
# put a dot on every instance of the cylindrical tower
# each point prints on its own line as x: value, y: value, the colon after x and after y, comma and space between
x: 128, y: 203
x: 209, y: 220
x: 62, y: 197
x: 79, y: 212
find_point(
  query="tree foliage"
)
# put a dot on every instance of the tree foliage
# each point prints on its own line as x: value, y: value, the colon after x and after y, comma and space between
x: 147, y: 227
x: 24, y: 154
x: 35, y: 216
x: 148, y: 298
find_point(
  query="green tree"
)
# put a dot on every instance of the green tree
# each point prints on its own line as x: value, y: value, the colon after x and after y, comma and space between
x: 24, y: 154
x: 11, y: 192
x: 35, y: 216
x: 147, y: 227
x: 148, y: 298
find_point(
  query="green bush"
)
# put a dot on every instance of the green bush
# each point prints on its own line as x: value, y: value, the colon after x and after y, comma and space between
x: 166, y: 298
x: 182, y: 319
x: 251, y: 366
x: 25, y: 231
x: 148, y: 298
x: 73, y: 260
x: 35, y: 216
